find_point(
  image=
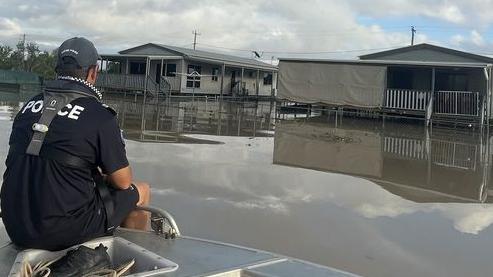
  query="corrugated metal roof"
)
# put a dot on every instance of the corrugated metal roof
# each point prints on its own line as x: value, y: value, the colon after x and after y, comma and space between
x: 207, y: 56
x: 391, y: 62
x: 382, y: 54
x: 215, y: 56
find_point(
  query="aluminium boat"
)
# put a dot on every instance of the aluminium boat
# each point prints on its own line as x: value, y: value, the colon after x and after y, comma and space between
x: 164, y: 251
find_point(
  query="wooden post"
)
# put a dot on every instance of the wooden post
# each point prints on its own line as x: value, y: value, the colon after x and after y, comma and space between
x: 165, y: 72
x: 272, y: 94
x: 184, y: 73
x: 238, y: 115
x: 145, y: 94
x: 162, y: 68
x: 241, y: 81
x: 160, y: 78
x: 220, y: 116
x: 429, y: 109
x: 488, y: 98
x: 223, y: 69
x: 146, y: 76
x: 157, y: 117
x: 257, y: 83
x: 255, y: 120
x: 125, y: 77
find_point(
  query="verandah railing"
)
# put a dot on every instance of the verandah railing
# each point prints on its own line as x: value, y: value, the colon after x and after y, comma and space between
x: 444, y: 153
x: 456, y: 103
x: 406, y: 99
x: 127, y: 82
x: 465, y: 103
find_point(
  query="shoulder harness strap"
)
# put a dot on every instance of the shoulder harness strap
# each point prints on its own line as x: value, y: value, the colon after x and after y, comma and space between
x: 53, y: 102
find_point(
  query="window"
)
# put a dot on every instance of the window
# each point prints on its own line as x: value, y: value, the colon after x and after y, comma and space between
x: 114, y: 67
x: 451, y: 81
x: 194, y: 80
x: 400, y: 78
x: 170, y: 70
x: 215, y: 74
x: 137, y: 68
x: 267, y: 78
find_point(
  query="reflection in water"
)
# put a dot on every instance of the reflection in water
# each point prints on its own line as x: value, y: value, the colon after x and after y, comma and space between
x: 233, y: 192
x: 8, y: 110
x: 412, y: 162
x: 169, y: 120
x: 408, y: 202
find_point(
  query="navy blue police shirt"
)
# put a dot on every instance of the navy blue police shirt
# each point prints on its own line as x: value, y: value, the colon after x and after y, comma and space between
x: 43, y: 199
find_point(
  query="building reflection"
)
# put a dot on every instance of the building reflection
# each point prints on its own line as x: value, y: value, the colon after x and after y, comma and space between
x: 171, y: 119
x: 415, y: 163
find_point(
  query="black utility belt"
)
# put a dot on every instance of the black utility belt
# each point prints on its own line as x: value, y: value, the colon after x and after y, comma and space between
x: 51, y: 153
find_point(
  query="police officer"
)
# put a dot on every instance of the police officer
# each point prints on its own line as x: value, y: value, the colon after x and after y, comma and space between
x: 50, y: 197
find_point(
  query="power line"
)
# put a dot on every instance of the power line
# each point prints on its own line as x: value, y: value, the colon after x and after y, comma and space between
x: 300, y: 52
x: 333, y: 31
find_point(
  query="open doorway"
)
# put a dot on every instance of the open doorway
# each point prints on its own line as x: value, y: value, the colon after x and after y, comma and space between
x: 158, y: 73
x: 233, y: 81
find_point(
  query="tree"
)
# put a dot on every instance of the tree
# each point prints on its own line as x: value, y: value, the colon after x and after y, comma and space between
x: 17, y: 57
x: 31, y: 59
x: 45, y: 65
x: 5, y: 60
x: 28, y: 58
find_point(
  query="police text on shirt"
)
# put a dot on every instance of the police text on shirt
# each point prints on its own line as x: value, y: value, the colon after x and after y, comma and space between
x: 71, y: 111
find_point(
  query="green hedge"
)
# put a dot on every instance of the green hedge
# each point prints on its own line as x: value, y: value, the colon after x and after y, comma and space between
x: 19, y: 77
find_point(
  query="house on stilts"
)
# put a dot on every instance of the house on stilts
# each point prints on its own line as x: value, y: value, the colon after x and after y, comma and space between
x: 156, y: 68
x: 425, y: 81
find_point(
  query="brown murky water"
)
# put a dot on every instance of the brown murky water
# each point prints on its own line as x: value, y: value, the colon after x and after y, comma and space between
x: 373, y: 199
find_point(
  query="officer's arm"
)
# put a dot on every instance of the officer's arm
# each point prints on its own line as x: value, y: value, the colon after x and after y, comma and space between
x: 121, y: 179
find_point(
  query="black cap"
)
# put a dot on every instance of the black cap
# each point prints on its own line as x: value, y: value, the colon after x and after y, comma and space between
x: 81, y: 51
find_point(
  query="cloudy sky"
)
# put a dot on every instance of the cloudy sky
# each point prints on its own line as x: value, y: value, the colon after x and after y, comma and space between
x: 280, y: 28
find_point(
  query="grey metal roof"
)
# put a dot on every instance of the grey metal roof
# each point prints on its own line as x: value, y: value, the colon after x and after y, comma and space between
x: 381, y: 55
x: 205, y: 56
x: 389, y: 62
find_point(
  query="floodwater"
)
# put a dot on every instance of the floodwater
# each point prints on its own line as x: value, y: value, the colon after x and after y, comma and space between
x: 374, y: 199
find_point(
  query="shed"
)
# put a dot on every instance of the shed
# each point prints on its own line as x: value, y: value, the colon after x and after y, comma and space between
x: 423, y: 80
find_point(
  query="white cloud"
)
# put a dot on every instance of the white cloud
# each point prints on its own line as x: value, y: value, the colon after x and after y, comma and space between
x: 8, y: 27
x: 272, y: 25
x: 457, y: 40
x: 450, y: 13
x: 279, y: 26
x: 299, y: 186
x: 477, y: 38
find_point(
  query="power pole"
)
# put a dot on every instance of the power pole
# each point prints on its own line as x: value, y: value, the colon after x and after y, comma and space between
x: 195, y: 34
x: 23, y: 61
x: 413, y: 31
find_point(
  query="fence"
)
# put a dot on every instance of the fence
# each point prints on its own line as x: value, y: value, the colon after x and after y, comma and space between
x: 405, y: 99
x: 457, y: 155
x: 126, y: 82
x: 456, y: 103
x: 405, y: 148
x: 464, y: 103
x: 444, y: 153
